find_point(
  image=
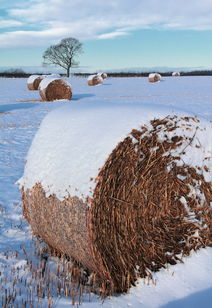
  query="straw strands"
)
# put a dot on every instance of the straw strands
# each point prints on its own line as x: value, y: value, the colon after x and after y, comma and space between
x: 150, y: 207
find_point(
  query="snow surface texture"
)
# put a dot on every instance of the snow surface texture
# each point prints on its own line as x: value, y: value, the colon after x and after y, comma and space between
x: 187, y: 285
x: 73, y: 143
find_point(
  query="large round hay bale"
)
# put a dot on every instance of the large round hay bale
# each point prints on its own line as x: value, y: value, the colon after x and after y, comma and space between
x: 102, y: 75
x: 94, y: 80
x: 176, y: 74
x: 54, y: 88
x: 154, y: 77
x: 33, y: 82
x: 123, y: 202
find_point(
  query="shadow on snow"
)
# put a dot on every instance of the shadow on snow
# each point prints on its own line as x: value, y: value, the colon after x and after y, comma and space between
x: 10, y: 107
x: 201, y: 299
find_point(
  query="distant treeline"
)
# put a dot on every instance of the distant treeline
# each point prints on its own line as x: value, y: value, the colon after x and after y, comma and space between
x: 146, y: 74
x: 19, y: 73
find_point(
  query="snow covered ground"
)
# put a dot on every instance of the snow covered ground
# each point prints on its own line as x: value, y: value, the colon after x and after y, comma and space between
x: 21, y: 112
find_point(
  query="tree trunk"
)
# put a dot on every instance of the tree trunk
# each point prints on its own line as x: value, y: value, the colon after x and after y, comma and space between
x: 68, y: 71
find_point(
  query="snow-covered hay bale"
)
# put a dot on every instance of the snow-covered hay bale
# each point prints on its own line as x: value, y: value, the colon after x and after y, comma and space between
x: 136, y: 201
x: 176, y: 74
x: 102, y: 75
x: 94, y: 80
x: 154, y: 77
x: 54, y: 88
x: 33, y: 82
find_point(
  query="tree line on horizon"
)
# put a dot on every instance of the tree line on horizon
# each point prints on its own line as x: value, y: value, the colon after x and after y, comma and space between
x: 20, y: 73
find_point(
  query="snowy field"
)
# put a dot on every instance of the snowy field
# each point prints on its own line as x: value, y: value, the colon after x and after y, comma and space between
x: 187, y: 285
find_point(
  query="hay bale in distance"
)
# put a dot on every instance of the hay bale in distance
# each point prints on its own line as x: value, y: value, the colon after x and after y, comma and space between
x: 33, y: 82
x: 102, y: 75
x: 154, y: 77
x: 176, y: 74
x: 94, y: 80
x: 149, y: 204
x: 54, y: 88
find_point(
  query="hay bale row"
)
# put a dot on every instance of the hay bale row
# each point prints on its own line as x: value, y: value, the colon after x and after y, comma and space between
x: 146, y: 206
x: 154, y: 77
x: 54, y: 88
x: 94, y: 80
x: 33, y: 81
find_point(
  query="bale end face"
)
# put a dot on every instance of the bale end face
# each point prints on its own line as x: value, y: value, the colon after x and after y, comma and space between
x: 56, y: 89
x: 141, y: 211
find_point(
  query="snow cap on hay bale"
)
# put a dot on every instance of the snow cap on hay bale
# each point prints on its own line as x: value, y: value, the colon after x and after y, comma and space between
x: 175, y: 74
x: 102, y: 75
x: 94, y: 80
x: 33, y: 82
x: 154, y: 77
x: 54, y: 88
x: 148, y: 201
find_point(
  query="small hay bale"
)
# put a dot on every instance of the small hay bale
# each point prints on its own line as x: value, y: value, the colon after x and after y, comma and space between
x: 102, y: 75
x: 94, y: 80
x: 33, y: 82
x: 54, y: 88
x: 176, y: 74
x: 149, y: 203
x: 154, y: 77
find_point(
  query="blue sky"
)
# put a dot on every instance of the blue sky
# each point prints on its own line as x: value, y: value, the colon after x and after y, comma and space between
x: 115, y: 34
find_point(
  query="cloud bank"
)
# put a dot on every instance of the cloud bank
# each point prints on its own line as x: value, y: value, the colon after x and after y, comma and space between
x: 52, y: 20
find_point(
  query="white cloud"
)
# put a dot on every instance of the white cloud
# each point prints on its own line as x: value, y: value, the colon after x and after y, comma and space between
x: 10, y: 23
x: 92, y: 19
x: 111, y: 35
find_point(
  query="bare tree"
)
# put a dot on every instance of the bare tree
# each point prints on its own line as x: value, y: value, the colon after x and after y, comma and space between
x: 63, y: 54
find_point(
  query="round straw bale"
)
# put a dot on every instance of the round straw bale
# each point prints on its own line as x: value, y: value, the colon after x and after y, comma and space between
x: 33, y: 82
x: 175, y: 74
x: 54, y: 89
x: 149, y: 205
x: 102, y: 75
x: 154, y: 77
x: 94, y: 80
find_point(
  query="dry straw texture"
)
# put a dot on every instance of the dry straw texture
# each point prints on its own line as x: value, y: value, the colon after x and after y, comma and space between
x: 55, y: 90
x: 147, y: 210
x: 34, y: 83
